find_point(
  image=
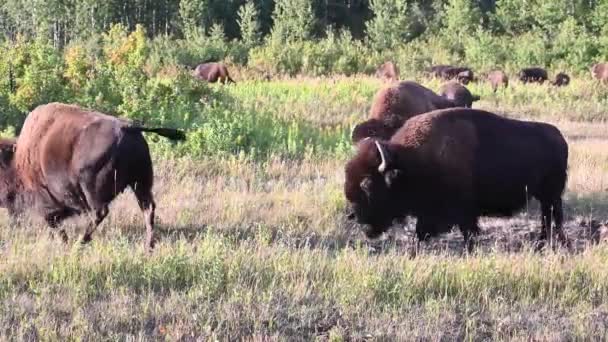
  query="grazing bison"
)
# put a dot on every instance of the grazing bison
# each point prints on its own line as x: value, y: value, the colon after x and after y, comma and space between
x: 68, y: 161
x: 561, y: 80
x: 212, y: 72
x: 533, y: 75
x: 463, y: 75
x: 600, y: 72
x: 438, y: 70
x: 388, y: 71
x: 498, y: 79
x: 393, y: 105
x: 447, y: 168
x: 458, y: 94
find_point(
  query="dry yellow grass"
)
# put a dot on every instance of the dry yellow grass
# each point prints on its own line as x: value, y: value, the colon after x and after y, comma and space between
x: 260, y: 250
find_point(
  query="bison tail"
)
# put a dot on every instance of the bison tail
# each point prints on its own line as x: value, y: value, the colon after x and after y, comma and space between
x: 170, y: 133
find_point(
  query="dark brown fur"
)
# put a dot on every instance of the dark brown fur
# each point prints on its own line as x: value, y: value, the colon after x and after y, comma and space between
x: 533, y: 75
x: 447, y: 168
x: 68, y: 161
x: 458, y: 94
x: 393, y: 105
x: 213, y: 72
x: 498, y: 79
x: 388, y: 71
x: 600, y: 72
x: 561, y: 80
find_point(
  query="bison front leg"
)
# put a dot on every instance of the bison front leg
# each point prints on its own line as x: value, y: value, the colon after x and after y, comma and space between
x: 54, y: 220
x: 100, y: 215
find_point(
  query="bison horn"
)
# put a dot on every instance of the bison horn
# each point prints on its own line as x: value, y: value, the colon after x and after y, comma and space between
x: 382, y: 166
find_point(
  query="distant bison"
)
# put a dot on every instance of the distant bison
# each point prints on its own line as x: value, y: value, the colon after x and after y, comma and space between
x: 393, y: 105
x: 212, y: 72
x: 600, y: 72
x: 458, y: 94
x: 438, y: 70
x: 463, y: 75
x: 68, y: 161
x: 533, y: 75
x: 561, y: 80
x: 447, y: 168
x: 498, y: 79
x: 388, y: 71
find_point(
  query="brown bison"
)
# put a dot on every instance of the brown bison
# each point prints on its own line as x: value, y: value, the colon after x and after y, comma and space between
x: 447, y: 168
x: 437, y: 71
x: 463, y: 75
x: 388, y: 71
x: 533, y: 75
x: 561, y: 80
x: 458, y: 94
x: 68, y: 161
x: 212, y: 72
x: 600, y: 72
x: 393, y: 105
x: 498, y: 79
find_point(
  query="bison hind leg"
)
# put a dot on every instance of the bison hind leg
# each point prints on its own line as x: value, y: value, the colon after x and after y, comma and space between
x: 145, y: 199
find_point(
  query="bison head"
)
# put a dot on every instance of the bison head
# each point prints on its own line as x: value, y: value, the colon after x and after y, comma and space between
x: 465, y: 77
x: 369, y: 183
x: 7, y: 175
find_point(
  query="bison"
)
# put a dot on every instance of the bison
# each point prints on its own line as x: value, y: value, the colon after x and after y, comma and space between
x: 438, y: 70
x: 498, y: 79
x: 463, y: 75
x: 600, y: 72
x: 533, y: 75
x: 212, y: 72
x: 561, y: 80
x: 393, y: 105
x: 458, y: 94
x: 447, y: 168
x: 69, y: 161
x: 388, y: 71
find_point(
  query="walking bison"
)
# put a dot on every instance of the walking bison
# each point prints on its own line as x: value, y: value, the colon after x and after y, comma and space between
x: 69, y: 161
x: 600, y: 72
x: 561, y: 80
x: 533, y: 75
x: 497, y: 79
x: 447, y: 168
x: 212, y: 72
x: 458, y: 94
x: 393, y: 105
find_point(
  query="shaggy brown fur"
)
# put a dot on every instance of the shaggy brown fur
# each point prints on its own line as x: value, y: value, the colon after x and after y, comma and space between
x: 533, y: 75
x: 212, y: 72
x: 600, y: 72
x: 458, y: 94
x: 393, y: 105
x: 388, y: 72
x: 69, y: 161
x: 498, y: 79
x: 561, y: 80
x: 448, y: 168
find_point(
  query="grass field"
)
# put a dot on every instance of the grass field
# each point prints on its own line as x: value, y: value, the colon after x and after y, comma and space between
x: 259, y: 249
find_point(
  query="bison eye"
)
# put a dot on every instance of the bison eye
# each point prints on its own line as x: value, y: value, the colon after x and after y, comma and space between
x: 366, y: 185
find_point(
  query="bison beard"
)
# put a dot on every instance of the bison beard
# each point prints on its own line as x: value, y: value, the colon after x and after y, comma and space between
x: 69, y: 161
x: 447, y: 168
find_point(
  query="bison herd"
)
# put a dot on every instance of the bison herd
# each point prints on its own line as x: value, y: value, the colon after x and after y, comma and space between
x: 419, y: 154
